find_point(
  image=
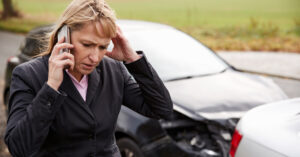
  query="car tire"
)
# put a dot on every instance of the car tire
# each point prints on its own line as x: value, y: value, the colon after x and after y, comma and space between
x: 128, y: 148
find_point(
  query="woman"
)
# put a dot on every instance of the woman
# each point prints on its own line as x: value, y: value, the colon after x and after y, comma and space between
x: 56, y: 111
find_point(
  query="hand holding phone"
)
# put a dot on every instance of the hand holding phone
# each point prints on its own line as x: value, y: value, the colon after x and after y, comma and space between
x: 59, y: 61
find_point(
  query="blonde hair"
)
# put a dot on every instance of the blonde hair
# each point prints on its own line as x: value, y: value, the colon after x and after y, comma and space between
x: 81, y: 12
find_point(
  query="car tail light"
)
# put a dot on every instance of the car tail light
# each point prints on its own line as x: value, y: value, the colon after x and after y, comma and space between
x: 235, y: 142
x: 13, y: 59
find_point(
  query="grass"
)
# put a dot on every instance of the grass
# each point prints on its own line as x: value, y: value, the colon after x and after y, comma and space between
x: 209, y: 13
x: 271, y: 25
x: 35, y: 13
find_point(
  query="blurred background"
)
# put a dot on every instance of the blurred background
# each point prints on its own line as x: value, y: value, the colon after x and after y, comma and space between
x: 241, y: 31
x: 269, y: 25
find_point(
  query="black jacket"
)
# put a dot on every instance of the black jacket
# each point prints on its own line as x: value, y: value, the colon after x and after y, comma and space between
x: 44, y: 122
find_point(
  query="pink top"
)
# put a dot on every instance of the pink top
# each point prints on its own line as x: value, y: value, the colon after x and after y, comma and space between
x: 81, y: 86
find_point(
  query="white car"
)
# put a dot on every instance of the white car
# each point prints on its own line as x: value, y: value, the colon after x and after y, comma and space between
x: 271, y: 130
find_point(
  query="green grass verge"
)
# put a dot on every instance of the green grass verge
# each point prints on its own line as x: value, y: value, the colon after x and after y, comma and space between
x: 222, y: 25
x: 210, y: 13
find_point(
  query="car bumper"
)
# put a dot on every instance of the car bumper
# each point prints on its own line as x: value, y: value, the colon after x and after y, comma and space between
x: 249, y: 148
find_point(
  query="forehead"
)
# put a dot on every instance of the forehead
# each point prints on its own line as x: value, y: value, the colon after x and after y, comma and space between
x: 91, y: 31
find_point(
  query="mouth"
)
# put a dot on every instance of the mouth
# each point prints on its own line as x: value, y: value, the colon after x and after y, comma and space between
x: 88, y: 66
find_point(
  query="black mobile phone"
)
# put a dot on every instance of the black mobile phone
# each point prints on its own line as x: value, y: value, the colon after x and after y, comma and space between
x: 64, y: 32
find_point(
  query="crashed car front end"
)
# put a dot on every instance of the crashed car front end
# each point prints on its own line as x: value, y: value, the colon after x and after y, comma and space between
x: 189, y: 137
x: 205, y: 114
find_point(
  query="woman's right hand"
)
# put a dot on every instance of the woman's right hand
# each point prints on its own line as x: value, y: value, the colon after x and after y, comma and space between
x: 58, y: 62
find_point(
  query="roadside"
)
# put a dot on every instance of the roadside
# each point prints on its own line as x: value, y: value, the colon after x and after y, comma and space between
x: 9, y: 43
x: 218, y: 24
x: 277, y: 63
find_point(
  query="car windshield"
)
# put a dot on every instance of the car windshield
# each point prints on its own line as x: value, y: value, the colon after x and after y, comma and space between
x: 174, y: 54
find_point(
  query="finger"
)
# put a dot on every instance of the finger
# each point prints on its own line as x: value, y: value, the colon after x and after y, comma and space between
x: 70, y: 57
x: 109, y: 54
x: 119, y: 30
x: 63, y: 45
x: 66, y: 63
x: 65, y: 55
x: 120, y: 37
x: 60, y: 46
x: 61, y: 40
x: 114, y: 40
x: 120, y: 33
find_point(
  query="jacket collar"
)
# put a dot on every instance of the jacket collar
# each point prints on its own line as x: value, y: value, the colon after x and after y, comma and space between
x: 93, y: 85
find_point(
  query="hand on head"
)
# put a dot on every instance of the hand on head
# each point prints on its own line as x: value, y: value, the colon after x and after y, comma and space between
x: 122, y: 50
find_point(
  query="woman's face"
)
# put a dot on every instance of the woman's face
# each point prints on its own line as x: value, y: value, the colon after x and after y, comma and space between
x: 90, y: 46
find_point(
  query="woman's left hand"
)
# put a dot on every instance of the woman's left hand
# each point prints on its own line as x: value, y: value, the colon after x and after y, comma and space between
x: 122, y: 50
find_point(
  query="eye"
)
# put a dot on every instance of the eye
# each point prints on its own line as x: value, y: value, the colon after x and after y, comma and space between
x: 102, y: 47
x: 86, y: 45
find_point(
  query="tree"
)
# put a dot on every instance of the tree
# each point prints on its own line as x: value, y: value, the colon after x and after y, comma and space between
x: 8, y: 10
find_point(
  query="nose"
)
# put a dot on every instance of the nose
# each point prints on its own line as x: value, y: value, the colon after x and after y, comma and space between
x: 94, y: 56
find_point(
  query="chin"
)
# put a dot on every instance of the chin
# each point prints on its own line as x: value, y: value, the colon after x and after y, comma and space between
x: 86, y: 72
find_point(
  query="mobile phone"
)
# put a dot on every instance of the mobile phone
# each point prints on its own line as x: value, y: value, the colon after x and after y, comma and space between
x: 64, y: 32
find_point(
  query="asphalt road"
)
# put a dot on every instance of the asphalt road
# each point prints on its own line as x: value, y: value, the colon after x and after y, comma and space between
x: 284, y: 64
x: 277, y: 63
x: 9, y: 44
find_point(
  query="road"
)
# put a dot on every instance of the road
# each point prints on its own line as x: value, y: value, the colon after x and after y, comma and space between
x: 286, y: 64
x: 278, y: 63
x: 9, y: 44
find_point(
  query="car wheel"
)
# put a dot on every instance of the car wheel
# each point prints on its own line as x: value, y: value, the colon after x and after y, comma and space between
x: 128, y: 148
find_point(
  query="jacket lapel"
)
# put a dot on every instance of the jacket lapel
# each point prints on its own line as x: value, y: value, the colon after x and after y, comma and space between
x: 93, y: 85
x: 69, y: 88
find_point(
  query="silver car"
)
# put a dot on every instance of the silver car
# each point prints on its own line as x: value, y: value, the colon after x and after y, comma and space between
x: 271, y: 130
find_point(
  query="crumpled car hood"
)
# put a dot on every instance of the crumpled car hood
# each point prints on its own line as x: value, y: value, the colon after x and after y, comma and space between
x: 225, y: 95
